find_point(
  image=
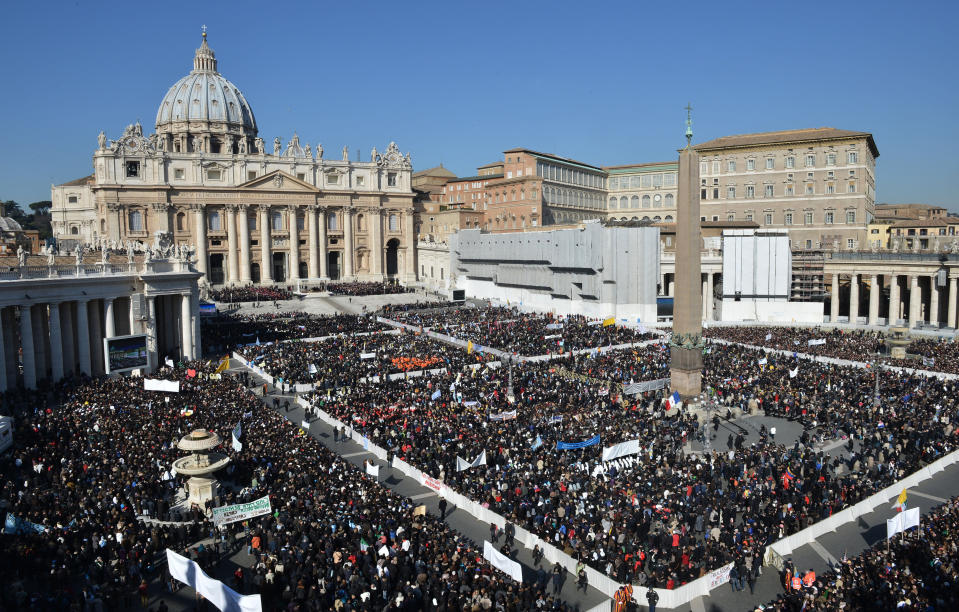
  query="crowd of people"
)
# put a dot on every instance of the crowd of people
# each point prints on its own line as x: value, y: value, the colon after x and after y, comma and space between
x: 524, y: 333
x: 85, y: 472
x: 389, y: 309
x: 251, y: 293
x: 224, y: 333
x: 914, y: 573
x: 358, y: 288
x: 938, y: 355
x: 344, y: 360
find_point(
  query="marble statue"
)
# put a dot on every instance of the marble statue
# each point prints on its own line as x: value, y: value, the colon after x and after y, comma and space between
x: 104, y: 253
x: 78, y: 255
x: 346, y: 154
x: 276, y: 146
x: 21, y: 256
x: 258, y: 143
x: 955, y: 245
x: 129, y: 251
x: 241, y: 146
x: 138, y: 129
x: 373, y: 155
x: 195, y: 141
x: 102, y: 140
x: 319, y: 151
x: 409, y: 159
x: 51, y: 258
x: 228, y: 144
x: 308, y: 150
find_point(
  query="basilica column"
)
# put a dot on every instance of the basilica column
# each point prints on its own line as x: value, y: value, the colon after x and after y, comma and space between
x: 953, y: 285
x: 834, y: 303
x: 244, y: 230
x: 56, y: 343
x: 915, y: 300
x: 110, y: 327
x: 873, y: 299
x: 705, y: 285
x: 893, y: 299
x: 311, y: 263
x: 199, y: 219
x: 347, y: 243
x: 232, y: 265
x: 197, y: 350
x: 409, y: 261
x: 710, y: 279
x: 83, y: 337
x: 294, y: 258
x: 266, y: 260
x: 26, y: 346
x: 186, y: 328
x: 40, y: 337
x: 376, y: 251
x: 933, y: 301
x: 854, y: 299
x: 324, y: 258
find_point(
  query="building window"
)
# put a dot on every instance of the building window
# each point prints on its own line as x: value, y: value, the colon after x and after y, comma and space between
x: 669, y: 179
x: 830, y: 188
x: 300, y: 221
x: 332, y: 179
x: 770, y: 163
x: 810, y: 161
x: 809, y: 244
x: 790, y: 190
x: 850, y: 216
x: 331, y: 222
x: 768, y: 218
x: 852, y: 188
x: 830, y: 159
x: 750, y: 191
x: 136, y: 221
x: 250, y: 175
x: 852, y: 157
x: 730, y: 193
x: 213, y: 175
x: 809, y: 189
x: 702, y: 194
x: 669, y: 200
x: 213, y: 221
x: 731, y: 165
x: 180, y: 219
x: 276, y: 221
x: 850, y: 243
x: 769, y: 191
x: 788, y: 219
x: 300, y: 176
x: 612, y: 202
x: 731, y: 217
x: 634, y: 202
x: 715, y: 193
x: 646, y: 201
x: 829, y: 218
x: 623, y: 202
x: 251, y: 222
x: 133, y: 169
x: 703, y: 167
x: 74, y: 230
x: 394, y: 223
x: 808, y: 218
x: 178, y: 174
x: 750, y: 164
x: 749, y: 216
x: 715, y: 167
x: 72, y: 199
x: 790, y: 162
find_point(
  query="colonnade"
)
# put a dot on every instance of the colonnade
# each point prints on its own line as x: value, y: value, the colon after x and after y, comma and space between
x: 915, y: 298
x: 54, y: 339
x: 668, y: 287
x: 319, y: 223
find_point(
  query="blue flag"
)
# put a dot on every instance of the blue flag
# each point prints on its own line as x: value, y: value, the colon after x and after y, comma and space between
x: 436, y: 394
x: 575, y: 445
x: 538, y: 442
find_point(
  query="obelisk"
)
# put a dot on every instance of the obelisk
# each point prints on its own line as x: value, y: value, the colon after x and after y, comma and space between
x: 686, y: 344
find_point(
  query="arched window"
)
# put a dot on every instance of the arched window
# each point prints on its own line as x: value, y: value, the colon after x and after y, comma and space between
x: 623, y: 202
x: 276, y: 220
x: 103, y: 226
x: 612, y: 203
x: 669, y: 219
x: 180, y: 220
x: 522, y: 194
x: 645, y: 218
x: 512, y: 196
x: 213, y: 221
x: 361, y: 223
x: 394, y: 222
x: 74, y: 230
x: 657, y: 219
x: 669, y: 200
x: 634, y: 202
x: 645, y: 201
x: 331, y: 222
x: 136, y: 221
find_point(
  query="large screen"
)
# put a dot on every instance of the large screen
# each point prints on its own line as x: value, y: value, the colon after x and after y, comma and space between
x: 125, y: 353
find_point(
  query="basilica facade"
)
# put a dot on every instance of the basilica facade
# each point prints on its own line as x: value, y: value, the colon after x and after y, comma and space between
x: 256, y: 212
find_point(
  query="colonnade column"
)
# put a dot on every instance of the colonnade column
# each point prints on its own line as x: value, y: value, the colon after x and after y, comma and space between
x: 186, y: 328
x: 69, y: 343
x: 915, y: 300
x: 933, y: 301
x: 312, y: 269
x: 953, y: 285
x: 197, y: 348
x: 854, y: 298
x: 244, y: 222
x: 266, y: 261
x: 110, y: 328
x: 893, y: 299
x: 152, y: 346
x: 199, y: 218
x: 26, y: 346
x: 409, y: 259
x: 347, y: 243
x: 3, y: 355
x: 834, y: 303
x: 705, y: 285
x: 83, y: 337
x: 294, y: 258
x: 710, y: 278
x: 376, y: 251
x: 324, y: 258
x: 40, y: 339
x: 56, y: 343
x: 873, y: 299
x: 231, y: 259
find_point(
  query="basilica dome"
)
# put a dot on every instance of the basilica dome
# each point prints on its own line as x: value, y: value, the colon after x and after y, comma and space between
x: 205, y: 105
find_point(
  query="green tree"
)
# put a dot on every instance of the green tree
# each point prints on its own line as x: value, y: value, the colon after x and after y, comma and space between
x: 41, y: 208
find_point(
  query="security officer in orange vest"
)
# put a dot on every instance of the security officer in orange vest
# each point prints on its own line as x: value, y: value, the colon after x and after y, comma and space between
x: 809, y: 579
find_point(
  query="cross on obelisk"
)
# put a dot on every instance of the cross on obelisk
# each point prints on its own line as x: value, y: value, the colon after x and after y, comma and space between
x: 686, y: 344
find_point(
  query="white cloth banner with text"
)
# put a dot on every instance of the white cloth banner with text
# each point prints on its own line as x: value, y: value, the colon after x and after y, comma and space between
x: 621, y: 450
x: 902, y: 522
x: 170, y: 386
x: 217, y: 593
x: 502, y: 562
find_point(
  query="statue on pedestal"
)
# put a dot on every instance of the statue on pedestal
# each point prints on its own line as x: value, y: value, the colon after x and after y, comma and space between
x: 319, y: 151
x: 373, y: 155
x: 21, y: 256
x: 346, y: 153
x: 78, y: 255
x: 258, y: 143
x: 102, y: 140
x: 276, y: 146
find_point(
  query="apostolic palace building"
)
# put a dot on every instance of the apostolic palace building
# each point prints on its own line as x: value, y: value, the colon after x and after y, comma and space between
x: 256, y: 211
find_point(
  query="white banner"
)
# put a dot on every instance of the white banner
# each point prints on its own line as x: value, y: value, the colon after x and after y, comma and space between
x: 816, y: 342
x: 502, y: 562
x: 463, y: 464
x: 367, y: 355
x: 621, y: 450
x: 225, y: 515
x: 902, y: 522
x: 220, y: 595
x: 719, y: 577
x: 373, y: 469
x: 170, y: 386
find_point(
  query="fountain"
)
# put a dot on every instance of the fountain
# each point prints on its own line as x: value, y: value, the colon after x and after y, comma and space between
x: 200, y: 464
x: 897, y: 340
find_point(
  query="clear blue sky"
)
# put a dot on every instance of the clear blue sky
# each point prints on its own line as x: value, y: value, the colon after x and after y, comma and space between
x: 458, y: 83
